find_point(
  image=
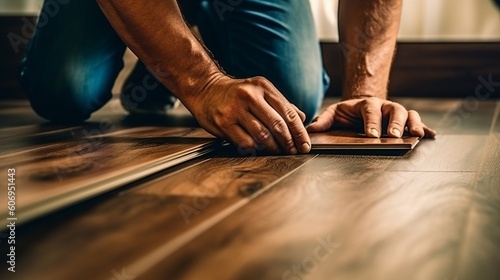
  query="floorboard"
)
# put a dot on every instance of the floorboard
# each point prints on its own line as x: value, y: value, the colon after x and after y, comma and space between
x: 433, y: 213
x: 452, y: 116
x: 51, y: 176
x: 480, y: 250
x: 369, y: 223
x: 446, y: 153
x: 147, y: 217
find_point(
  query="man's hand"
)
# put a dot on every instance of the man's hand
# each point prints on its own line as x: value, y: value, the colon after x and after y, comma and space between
x: 367, y: 30
x: 372, y: 114
x: 247, y: 112
x: 250, y: 113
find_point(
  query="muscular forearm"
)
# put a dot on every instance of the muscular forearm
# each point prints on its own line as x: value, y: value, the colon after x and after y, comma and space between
x: 156, y: 32
x: 367, y: 32
x: 248, y: 112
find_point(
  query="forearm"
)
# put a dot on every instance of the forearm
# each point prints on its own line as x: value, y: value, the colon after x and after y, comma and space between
x: 156, y: 32
x: 367, y: 34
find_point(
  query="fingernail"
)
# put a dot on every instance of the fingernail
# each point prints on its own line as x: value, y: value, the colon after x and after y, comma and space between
x: 396, y: 132
x: 374, y: 132
x: 305, y: 148
x: 293, y: 151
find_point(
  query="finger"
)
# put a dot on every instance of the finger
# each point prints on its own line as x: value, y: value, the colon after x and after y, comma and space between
x: 372, y: 117
x: 429, y: 132
x: 295, y: 125
x: 236, y: 135
x: 258, y: 132
x: 324, y: 121
x: 276, y: 113
x: 415, y: 125
x: 301, y: 114
x: 275, y: 124
x: 397, y: 115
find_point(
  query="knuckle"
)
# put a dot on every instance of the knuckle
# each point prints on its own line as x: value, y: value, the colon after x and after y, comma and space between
x: 289, y: 144
x: 223, y: 121
x: 396, y: 107
x: 290, y: 114
x: 263, y: 84
x: 367, y: 101
x: 278, y: 126
x: 263, y: 135
x: 397, y: 123
x: 301, y: 137
x: 369, y: 109
x: 371, y: 123
x: 246, y: 145
x: 244, y: 92
x: 259, y: 81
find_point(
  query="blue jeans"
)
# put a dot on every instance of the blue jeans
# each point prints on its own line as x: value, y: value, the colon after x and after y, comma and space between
x: 73, y: 59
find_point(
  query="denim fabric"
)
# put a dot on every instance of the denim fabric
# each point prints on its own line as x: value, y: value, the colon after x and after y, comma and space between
x: 73, y: 59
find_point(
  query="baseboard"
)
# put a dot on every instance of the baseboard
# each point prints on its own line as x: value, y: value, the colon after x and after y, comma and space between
x: 431, y: 69
x: 424, y: 69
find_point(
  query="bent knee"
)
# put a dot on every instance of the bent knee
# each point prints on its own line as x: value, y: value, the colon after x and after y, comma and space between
x: 59, y: 109
x: 62, y: 98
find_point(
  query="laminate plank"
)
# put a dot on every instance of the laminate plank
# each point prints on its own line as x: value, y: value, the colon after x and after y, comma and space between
x: 336, y: 218
x: 432, y: 214
x: 63, y: 143
x: 432, y: 111
x: 18, y: 113
x: 122, y: 229
x: 468, y: 116
x: 347, y: 140
x: 106, y: 120
x: 368, y: 166
x: 33, y: 136
x: 446, y: 153
x: 471, y: 117
x: 59, y: 174
x: 496, y: 125
x: 30, y: 130
x: 480, y: 254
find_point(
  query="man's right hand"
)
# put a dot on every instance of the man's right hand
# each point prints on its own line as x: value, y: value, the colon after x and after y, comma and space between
x: 250, y: 113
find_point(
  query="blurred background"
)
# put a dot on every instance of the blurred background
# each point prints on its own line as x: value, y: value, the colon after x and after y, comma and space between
x: 445, y: 45
x: 427, y: 20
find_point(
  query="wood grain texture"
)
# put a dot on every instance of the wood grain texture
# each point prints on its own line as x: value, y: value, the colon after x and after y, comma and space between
x: 345, y: 140
x: 446, y: 153
x: 480, y: 252
x: 376, y: 225
x: 431, y: 214
x: 53, y: 175
x: 451, y: 116
x: 496, y: 124
x: 119, y: 231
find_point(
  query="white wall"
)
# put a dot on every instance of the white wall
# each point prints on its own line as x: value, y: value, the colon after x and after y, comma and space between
x: 445, y: 20
x: 20, y: 7
x: 422, y: 19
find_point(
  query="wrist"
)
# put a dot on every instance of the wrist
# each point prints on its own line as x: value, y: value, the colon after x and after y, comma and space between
x: 194, y: 97
x: 364, y: 94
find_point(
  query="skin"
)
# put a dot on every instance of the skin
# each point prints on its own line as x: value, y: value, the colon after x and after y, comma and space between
x: 252, y: 112
x: 367, y: 35
x: 248, y: 112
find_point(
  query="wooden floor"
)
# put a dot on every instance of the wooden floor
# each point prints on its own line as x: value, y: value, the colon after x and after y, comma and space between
x: 124, y: 198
